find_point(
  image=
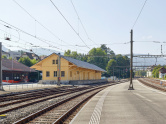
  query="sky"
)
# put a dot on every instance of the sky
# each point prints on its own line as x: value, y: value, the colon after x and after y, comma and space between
x: 106, y: 22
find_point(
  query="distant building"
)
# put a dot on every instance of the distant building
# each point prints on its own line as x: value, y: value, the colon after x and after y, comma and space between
x: 14, y: 72
x: 15, y: 55
x: 43, y: 57
x: 30, y: 55
x: 71, y: 69
x: 5, y: 54
x: 162, y: 72
x: 149, y: 71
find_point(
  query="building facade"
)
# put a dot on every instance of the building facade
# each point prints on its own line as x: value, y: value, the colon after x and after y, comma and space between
x: 71, y: 69
x: 149, y: 71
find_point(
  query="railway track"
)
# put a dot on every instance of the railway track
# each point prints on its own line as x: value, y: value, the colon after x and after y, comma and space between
x: 22, y: 95
x: 57, y: 112
x: 30, y: 101
x: 35, y: 96
x: 154, y: 83
x: 20, y: 110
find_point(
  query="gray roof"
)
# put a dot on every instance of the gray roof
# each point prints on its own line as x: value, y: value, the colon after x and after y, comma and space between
x: 9, y: 65
x: 4, y: 68
x: 83, y: 64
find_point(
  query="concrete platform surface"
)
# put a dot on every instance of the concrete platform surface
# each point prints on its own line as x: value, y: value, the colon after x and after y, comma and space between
x: 118, y: 105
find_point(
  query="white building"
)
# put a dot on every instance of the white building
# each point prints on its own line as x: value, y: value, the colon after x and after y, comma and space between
x: 149, y: 71
x: 14, y: 54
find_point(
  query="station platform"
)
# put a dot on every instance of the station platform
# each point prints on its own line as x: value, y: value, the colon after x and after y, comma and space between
x: 118, y: 105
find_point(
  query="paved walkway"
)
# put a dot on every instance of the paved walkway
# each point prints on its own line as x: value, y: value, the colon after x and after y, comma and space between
x: 117, y: 105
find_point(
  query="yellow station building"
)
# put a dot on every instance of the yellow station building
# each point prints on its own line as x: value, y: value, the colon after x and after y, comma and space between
x: 71, y: 69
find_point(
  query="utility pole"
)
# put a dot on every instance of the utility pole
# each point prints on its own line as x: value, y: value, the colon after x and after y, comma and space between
x: 59, y: 69
x: 1, y: 85
x: 161, y: 50
x: 113, y: 73
x: 12, y: 67
x: 119, y: 74
x: 131, y: 62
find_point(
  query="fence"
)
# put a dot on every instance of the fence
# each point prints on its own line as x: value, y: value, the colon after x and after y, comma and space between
x: 25, y: 86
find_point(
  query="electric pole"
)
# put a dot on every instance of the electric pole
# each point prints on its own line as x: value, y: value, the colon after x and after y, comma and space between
x: 1, y: 85
x: 59, y: 69
x: 131, y: 62
x: 113, y: 73
x: 161, y: 50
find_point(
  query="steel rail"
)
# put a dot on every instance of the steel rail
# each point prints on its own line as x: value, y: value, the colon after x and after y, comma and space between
x: 27, y: 94
x: 38, y: 95
x: 40, y: 100
x: 68, y: 113
x: 40, y: 112
x: 153, y: 85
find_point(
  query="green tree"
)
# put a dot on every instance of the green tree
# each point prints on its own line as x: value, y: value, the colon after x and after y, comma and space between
x: 74, y: 54
x: 67, y: 53
x: 4, y: 56
x: 110, y: 53
x: 10, y: 58
x: 140, y: 73
x: 26, y: 61
x: 104, y: 48
x: 84, y: 57
x: 110, y: 67
x: 33, y: 61
x: 155, y: 72
x: 100, y: 61
x: 121, y: 68
x: 120, y: 60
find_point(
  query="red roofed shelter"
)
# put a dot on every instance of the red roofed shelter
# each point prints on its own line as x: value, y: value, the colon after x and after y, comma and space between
x: 14, y: 72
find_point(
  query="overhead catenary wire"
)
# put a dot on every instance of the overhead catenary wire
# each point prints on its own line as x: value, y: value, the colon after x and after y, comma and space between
x: 48, y: 29
x: 124, y: 43
x: 39, y: 23
x: 32, y: 45
x: 29, y: 44
x: 17, y: 40
x: 152, y: 41
x: 68, y: 23
x: 43, y: 40
x: 81, y: 22
x: 24, y: 48
x: 139, y: 14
